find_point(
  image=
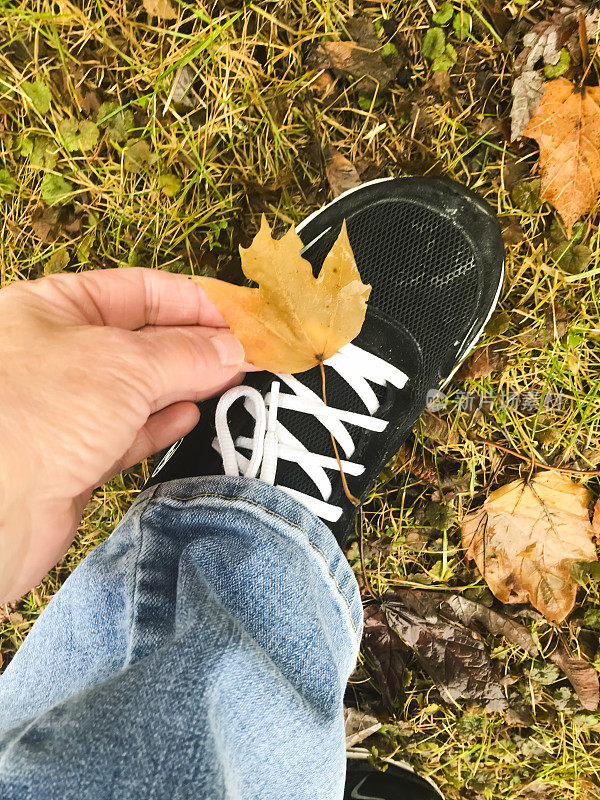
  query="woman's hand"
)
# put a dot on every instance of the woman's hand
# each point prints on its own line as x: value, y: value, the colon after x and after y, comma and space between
x: 97, y: 371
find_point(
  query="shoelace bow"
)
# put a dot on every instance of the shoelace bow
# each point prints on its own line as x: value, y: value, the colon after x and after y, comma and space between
x: 271, y: 441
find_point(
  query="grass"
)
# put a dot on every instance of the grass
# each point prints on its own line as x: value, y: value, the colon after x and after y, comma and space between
x: 247, y: 138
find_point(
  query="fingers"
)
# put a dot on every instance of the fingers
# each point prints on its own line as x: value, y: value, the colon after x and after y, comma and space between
x: 132, y: 297
x: 161, y: 430
x: 176, y: 364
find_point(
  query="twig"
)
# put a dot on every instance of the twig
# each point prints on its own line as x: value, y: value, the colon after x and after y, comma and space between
x: 583, y: 46
x: 566, y: 470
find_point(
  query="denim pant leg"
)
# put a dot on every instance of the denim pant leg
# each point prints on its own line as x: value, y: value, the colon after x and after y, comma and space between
x: 201, y: 652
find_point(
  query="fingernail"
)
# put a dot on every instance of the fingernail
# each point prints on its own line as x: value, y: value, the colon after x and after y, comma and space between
x: 248, y: 367
x: 229, y: 349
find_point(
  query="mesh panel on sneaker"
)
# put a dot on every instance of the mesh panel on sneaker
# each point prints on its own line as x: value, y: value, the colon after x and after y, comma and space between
x: 421, y: 267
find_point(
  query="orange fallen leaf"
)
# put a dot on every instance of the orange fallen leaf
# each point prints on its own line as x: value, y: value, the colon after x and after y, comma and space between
x: 566, y: 126
x: 292, y: 321
x: 525, y: 538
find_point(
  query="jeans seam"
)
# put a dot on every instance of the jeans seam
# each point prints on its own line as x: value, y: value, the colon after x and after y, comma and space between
x: 140, y: 532
x: 285, y: 519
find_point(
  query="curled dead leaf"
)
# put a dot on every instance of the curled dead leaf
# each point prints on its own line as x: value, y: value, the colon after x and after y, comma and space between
x: 455, y: 608
x: 341, y: 172
x: 324, y: 84
x: 525, y: 538
x: 483, y: 362
x: 438, y: 430
x: 581, y: 674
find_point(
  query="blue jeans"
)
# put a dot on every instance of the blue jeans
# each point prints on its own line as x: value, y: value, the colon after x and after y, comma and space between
x: 202, y: 652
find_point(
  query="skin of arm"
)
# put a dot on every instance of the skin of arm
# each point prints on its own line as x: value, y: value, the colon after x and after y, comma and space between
x: 97, y: 371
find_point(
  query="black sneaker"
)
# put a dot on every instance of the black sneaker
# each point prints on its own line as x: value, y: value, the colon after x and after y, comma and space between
x: 433, y: 254
x: 397, y: 782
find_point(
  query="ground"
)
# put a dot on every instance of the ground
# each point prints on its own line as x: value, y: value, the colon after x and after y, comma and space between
x: 220, y: 114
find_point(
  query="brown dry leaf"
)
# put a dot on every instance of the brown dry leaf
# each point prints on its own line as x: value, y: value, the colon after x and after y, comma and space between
x: 438, y: 430
x: 483, y: 362
x: 542, y: 46
x: 556, y: 325
x: 525, y: 538
x: 292, y: 321
x: 581, y: 674
x: 458, y: 661
x: 341, y: 173
x: 416, y: 465
x: 160, y: 8
x: 45, y: 223
x: 385, y: 655
x: 512, y: 232
x: 456, y: 608
x: 361, y: 30
x: 440, y: 81
x: 566, y: 127
x: 365, y: 65
x: 323, y: 84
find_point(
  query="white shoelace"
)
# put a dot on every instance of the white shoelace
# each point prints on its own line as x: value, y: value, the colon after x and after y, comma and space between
x: 271, y: 441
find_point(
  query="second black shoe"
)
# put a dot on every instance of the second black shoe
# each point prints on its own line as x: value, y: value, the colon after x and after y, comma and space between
x: 398, y: 782
x: 433, y: 254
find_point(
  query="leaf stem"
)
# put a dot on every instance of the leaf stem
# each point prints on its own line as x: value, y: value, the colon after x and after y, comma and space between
x: 583, y: 46
x: 354, y: 500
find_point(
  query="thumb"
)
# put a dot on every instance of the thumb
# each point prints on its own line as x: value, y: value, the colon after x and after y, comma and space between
x: 161, y: 430
x: 188, y: 363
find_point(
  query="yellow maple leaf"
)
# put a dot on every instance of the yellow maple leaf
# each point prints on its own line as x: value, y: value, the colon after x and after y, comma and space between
x: 292, y: 321
x: 526, y: 537
x: 566, y: 126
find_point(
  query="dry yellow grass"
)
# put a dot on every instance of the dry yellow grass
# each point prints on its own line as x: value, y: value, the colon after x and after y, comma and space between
x: 247, y: 138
